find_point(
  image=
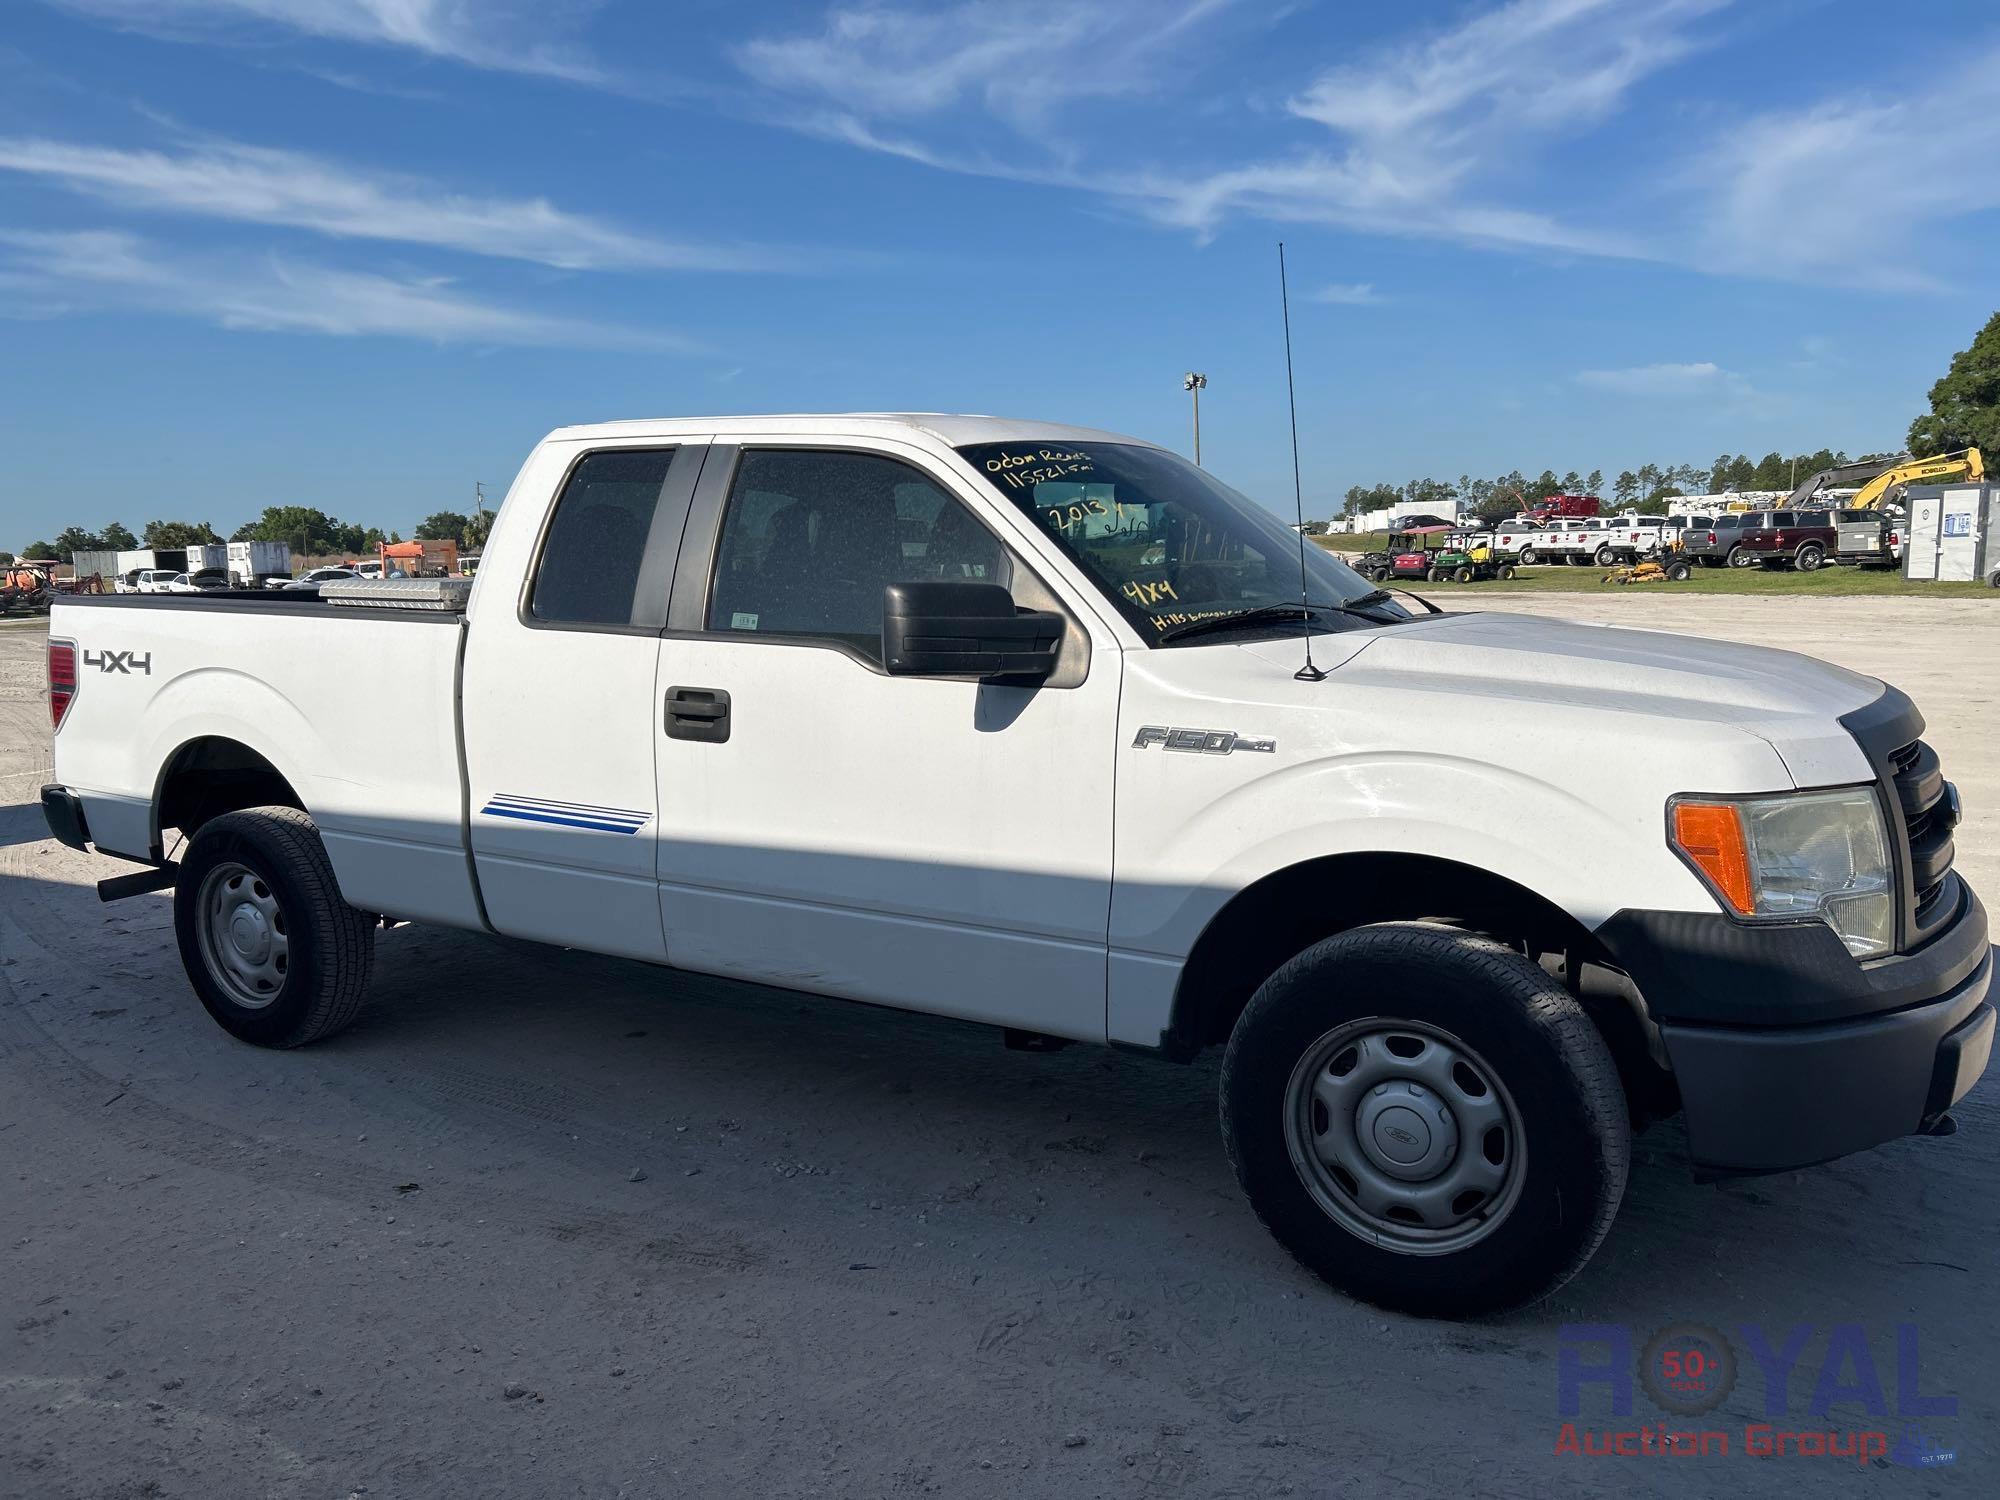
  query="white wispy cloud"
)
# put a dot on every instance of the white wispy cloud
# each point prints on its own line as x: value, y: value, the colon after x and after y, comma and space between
x: 1845, y: 190
x: 258, y: 185
x: 1662, y: 380
x: 1424, y: 130
x: 492, y: 34
x: 1350, y: 294
x: 1415, y: 135
x: 1017, y: 59
x: 95, y: 269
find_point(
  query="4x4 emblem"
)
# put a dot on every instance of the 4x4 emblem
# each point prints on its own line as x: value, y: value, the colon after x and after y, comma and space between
x: 119, y: 661
x: 1199, y: 741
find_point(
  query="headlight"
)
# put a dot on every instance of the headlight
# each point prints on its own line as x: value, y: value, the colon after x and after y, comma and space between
x: 1805, y: 854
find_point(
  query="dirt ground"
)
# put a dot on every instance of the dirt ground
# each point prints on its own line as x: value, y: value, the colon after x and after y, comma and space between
x: 545, y: 1224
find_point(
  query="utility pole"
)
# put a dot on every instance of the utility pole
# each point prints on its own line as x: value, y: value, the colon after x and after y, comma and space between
x: 1194, y: 384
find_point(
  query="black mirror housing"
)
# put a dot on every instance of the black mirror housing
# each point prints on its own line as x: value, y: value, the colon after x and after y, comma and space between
x: 951, y: 629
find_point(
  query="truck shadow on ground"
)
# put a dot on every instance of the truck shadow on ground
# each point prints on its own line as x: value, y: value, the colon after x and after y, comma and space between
x: 779, y: 1118
x: 916, y: 1110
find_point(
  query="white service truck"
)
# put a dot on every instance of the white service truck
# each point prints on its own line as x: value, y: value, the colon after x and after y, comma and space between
x: 1016, y: 723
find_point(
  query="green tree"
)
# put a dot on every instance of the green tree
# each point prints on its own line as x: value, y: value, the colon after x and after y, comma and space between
x: 40, y: 550
x: 5, y: 558
x: 372, y: 538
x: 479, y: 526
x: 180, y: 534
x: 1543, y: 487
x: 1375, y: 497
x: 306, y: 530
x: 1625, y: 488
x: 1965, y: 403
x: 441, y: 526
x: 1594, y: 483
x: 117, y: 536
x: 73, y: 539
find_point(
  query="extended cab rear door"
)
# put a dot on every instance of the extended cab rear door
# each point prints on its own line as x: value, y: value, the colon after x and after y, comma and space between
x: 560, y: 700
x: 936, y: 843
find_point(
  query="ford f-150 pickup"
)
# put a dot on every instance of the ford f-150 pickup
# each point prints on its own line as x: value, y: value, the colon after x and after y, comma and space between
x: 1016, y: 723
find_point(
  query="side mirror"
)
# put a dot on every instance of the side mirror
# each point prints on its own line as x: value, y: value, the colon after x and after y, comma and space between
x: 965, y: 630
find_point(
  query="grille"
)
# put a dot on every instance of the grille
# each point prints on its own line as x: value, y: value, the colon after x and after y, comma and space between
x: 1930, y: 813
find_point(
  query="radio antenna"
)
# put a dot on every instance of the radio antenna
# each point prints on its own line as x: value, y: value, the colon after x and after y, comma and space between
x: 1309, y: 672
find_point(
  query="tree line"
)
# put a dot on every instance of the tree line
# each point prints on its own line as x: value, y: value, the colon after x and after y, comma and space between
x: 1646, y: 489
x: 307, y: 531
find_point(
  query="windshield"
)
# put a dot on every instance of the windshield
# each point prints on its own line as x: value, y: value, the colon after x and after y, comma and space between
x: 1166, y: 542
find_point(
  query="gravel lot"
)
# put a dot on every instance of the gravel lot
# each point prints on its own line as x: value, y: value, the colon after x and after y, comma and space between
x: 548, y: 1224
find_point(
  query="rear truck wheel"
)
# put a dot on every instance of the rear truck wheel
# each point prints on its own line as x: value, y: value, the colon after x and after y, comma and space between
x: 1529, y: 557
x: 1463, y: 575
x: 1739, y: 557
x: 1606, y: 557
x: 1809, y: 557
x: 1426, y: 1120
x: 1678, y: 571
x: 277, y: 957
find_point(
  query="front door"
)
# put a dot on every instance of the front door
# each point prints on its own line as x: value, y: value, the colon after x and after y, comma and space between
x: 560, y: 700
x: 938, y: 844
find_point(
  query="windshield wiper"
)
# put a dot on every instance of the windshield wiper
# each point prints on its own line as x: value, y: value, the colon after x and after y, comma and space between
x: 1265, y: 612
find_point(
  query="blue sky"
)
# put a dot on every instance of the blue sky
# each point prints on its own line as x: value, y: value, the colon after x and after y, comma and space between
x: 360, y: 253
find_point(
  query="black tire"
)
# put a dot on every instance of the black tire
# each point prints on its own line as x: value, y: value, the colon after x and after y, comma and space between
x: 1528, y: 557
x: 329, y: 945
x: 1605, y: 556
x: 1678, y: 571
x: 1739, y: 557
x: 1380, y: 575
x: 1809, y: 557
x: 1463, y: 575
x: 1521, y: 1024
x: 1434, y: 575
x: 1506, y: 572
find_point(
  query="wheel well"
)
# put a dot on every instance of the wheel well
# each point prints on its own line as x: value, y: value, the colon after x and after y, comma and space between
x: 211, y: 776
x: 1287, y: 911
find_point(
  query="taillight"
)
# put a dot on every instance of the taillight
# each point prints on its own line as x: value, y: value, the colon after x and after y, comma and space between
x: 1711, y: 539
x: 62, y: 679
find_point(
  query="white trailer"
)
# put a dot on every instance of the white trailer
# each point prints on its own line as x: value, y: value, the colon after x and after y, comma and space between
x: 251, y: 562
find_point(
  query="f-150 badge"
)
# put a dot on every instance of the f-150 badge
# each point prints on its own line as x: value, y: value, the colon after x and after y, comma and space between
x: 1199, y: 741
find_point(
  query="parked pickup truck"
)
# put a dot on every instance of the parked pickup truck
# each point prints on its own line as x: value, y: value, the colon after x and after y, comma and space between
x: 1603, y: 540
x: 1030, y: 726
x: 1801, y: 539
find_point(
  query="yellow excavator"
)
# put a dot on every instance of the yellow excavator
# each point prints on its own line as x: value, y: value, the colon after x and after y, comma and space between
x: 1885, y: 476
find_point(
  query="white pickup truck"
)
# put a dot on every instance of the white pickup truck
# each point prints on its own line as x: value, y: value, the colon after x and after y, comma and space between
x: 1016, y: 723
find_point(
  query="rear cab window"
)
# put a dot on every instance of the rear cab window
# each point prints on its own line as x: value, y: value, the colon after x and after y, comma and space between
x: 588, y: 571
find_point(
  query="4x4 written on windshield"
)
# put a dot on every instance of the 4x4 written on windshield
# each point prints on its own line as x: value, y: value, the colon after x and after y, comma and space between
x: 1165, y: 541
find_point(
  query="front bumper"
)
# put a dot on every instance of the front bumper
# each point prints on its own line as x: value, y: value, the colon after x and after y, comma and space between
x: 1787, y: 1051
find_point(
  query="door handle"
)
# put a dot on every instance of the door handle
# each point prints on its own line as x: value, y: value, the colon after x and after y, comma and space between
x: 698, y: 714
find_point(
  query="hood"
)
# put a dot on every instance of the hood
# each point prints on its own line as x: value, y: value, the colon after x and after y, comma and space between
x: 1792, y: 701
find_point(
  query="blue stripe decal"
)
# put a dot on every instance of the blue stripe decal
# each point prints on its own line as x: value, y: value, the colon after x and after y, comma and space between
x: 587, y: 807
x: 566, y: 814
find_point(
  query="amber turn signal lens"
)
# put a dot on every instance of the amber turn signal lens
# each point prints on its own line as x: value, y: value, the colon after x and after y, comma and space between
x: 1711, y: 834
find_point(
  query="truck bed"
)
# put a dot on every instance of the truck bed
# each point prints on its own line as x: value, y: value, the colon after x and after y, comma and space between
x: 357, y: 707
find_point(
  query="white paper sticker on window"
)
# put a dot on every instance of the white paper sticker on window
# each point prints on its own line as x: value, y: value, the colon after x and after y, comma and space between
x: 742, y: 621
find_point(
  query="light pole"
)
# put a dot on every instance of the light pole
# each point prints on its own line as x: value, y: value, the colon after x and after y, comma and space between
x: 1194, y: 384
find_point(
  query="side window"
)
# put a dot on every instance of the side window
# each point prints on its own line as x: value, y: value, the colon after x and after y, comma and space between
x: 809, y: 540
x: 1783, y: 518
x: 589, y: 570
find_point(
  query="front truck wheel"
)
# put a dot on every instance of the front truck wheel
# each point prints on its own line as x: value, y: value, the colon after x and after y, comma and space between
x: 1426, y: 1120
x: 276, y: 955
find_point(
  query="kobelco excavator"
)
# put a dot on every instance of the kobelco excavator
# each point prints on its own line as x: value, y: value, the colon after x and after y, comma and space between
x: 1885, y: 476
